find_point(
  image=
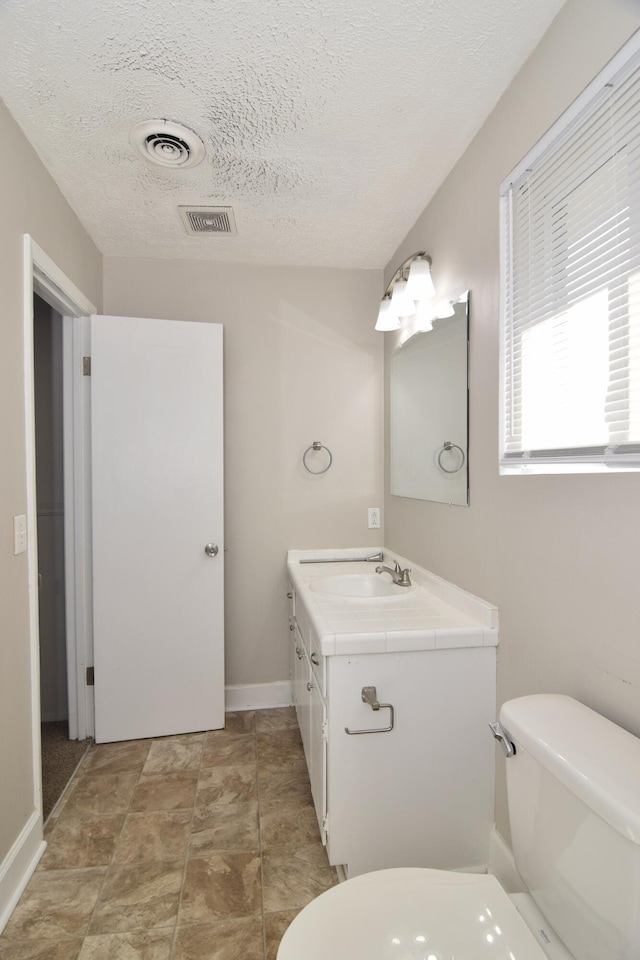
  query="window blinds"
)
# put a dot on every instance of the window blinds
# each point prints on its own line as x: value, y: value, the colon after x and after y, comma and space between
x: 571, y: 285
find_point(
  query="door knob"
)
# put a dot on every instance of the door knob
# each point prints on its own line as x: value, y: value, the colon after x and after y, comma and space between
x: 211, y: 549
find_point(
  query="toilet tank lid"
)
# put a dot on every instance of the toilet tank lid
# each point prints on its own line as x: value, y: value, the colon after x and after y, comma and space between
x: 594, y: 758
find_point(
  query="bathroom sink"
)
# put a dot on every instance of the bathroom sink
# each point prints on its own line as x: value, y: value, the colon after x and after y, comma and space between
x: 360, y: 586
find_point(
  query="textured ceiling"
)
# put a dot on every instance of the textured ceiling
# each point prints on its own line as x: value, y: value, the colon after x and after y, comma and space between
x: 328, y: 125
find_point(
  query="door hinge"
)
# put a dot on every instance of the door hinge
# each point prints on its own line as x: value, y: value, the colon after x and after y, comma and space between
x: 91, y: 677
x: 325, y: 731
x: 86, y: 366
x: 325, y: 823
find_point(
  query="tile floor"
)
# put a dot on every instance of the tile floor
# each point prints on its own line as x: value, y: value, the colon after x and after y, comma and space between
x: 198, y: 847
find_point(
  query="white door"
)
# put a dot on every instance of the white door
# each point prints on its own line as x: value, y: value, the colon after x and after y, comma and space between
x: 156, y: 452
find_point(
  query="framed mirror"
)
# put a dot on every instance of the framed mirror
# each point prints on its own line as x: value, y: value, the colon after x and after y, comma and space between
x: 429, y: 412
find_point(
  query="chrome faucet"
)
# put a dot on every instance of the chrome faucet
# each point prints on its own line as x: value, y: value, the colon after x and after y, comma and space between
x: 398, y: 575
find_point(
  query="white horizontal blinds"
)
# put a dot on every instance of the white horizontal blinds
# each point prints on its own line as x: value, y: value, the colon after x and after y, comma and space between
x: 571, y: 234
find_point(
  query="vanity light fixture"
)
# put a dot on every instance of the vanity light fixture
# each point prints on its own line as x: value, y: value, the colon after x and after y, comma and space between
x: 425, y: 315
x: 410, y: 297
x: 420, y: 283
x: 401, y: 303
x: 443, y: 309
x: 387, y: 319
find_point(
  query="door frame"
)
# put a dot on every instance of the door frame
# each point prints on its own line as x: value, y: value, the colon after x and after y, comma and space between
x: 41, y: 275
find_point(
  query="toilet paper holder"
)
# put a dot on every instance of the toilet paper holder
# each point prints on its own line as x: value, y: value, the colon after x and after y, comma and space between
x: 369, y: 695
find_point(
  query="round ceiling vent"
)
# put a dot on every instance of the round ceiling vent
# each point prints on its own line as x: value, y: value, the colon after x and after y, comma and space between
x: 167, y: 144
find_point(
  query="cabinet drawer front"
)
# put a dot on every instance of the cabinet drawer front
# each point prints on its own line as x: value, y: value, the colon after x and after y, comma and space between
x: 291, y: 600
x: 318, y: 662
x: 319, y: 667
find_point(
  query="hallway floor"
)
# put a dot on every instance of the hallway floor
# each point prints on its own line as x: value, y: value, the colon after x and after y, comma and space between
x: 197, y: 847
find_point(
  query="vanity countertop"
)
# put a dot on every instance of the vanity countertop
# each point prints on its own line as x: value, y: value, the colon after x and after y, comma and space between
x: 434, y: 615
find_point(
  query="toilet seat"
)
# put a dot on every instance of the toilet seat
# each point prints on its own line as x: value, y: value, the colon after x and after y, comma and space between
x: 411, y: 914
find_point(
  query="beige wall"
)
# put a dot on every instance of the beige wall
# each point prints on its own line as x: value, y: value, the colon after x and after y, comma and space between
x: 558, y: 554
x: 30, y: 203
x: 301, y: 363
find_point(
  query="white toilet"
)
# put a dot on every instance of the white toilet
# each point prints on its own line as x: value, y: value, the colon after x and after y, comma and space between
x: 574, y: 809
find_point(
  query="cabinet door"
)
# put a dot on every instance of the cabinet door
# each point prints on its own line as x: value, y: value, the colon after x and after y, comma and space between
x: 301, y: 682
x: 293, y: 642
x: 318, y: 762
x: 422, y: 794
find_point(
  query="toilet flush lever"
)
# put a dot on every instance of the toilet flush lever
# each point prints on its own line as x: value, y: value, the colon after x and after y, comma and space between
x: 370, y: 696
x: 500, y: 734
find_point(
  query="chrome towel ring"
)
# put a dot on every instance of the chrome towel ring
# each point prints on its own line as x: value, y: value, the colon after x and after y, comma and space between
x: 447, y: 445
x: 316, y: 445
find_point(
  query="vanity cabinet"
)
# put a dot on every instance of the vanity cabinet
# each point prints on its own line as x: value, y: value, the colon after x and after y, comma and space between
x: 420, y: 794
x: 311, y: 712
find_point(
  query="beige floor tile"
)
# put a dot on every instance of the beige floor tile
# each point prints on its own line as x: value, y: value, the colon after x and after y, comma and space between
x: 287, y: 822
x: 241, y: 721
x: 232, y: 784
x: 40, y: 950
x: 103, y: 794
x: 229, y: 750
x: 279, y: 718
x: 135, y: 945
x: 165, y: 791
x: 138, y: 896
x: 221, y: 886
x: 126, y: 757
x: 287, y: 778
x: 228, y: 826
x: 279, y: 745
x: 175, y: 753
x: 140, y: 807
x: 237, y: 939
x: 196, y: 737
x: 162, y: 835
x: 75, y: 842
x: 56, y: 905
x: 294, y: 877
x: 275, y: 926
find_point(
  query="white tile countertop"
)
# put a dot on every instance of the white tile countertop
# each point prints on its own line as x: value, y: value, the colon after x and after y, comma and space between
x: 434, y: 614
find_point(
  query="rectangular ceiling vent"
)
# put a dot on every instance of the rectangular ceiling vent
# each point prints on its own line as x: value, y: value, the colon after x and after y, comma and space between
x: 212, y: 220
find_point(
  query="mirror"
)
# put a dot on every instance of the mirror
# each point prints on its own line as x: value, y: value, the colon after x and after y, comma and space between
x: 429, y: 412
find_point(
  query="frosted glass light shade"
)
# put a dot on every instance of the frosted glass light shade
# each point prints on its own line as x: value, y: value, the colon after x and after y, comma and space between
x: 420, y: 285
x: 425, y: 315
x: 401, y: 303
x: 444, y: 308
x: 387, y: 318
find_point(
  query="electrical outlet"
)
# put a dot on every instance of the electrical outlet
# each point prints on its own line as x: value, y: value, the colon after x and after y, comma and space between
x: 374, y: 518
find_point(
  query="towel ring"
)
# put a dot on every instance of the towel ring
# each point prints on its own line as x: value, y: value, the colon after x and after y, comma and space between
x: 316, y: 445
x: 447, y: 445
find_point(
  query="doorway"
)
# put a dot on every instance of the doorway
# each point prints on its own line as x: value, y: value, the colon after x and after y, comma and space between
x: 59, y: 753
x: 52, y: 330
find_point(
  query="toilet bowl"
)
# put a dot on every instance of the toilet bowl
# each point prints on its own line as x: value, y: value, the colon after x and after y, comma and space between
x: 573, y: 782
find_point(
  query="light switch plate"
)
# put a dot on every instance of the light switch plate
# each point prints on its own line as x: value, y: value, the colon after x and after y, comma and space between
x: 19, y: 534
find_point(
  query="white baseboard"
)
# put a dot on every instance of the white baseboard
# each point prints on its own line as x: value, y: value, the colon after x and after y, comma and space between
x: 19, y: 864
x: 502, y: 865
x: 258, y: 696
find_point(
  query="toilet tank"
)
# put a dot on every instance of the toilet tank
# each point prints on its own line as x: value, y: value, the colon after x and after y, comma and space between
x: 574, y: 808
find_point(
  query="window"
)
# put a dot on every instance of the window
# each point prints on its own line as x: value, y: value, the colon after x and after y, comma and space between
x: 570, y: 380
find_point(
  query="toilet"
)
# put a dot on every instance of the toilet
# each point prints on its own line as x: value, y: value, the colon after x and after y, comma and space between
x: 573, y: 787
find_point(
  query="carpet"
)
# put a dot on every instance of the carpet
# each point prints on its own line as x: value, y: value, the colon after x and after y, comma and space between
x: 60, y: 757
